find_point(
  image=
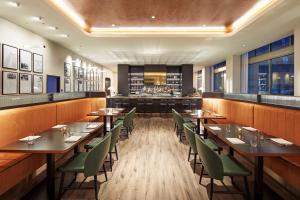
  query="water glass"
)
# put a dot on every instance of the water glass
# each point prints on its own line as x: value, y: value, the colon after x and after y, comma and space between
x: 253, y: 141
x: 30, y: 140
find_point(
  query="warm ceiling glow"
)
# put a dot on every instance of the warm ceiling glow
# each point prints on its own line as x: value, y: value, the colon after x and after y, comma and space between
x: 14, y: 4
x: 38, y: 19
x: 52, y: 28
x: 257, y: 10
x: 69, y: 11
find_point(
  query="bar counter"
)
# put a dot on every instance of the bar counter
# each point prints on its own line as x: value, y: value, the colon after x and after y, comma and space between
x: 154, y: 104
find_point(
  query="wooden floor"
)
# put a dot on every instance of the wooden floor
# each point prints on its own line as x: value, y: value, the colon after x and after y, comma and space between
x: 152, y: 165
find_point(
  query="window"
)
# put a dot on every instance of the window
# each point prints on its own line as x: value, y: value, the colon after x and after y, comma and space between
x: 199, y: 81
x: 282, y: 71
x: 219, y: 80
x: 279, y: 44
x: 251, y: 54
x: 258, y: 78
x: 262, y: 50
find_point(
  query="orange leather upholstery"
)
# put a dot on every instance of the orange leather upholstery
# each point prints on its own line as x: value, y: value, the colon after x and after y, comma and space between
x: 234, y: 111
x: 20, y: 122
x: 278, y: 122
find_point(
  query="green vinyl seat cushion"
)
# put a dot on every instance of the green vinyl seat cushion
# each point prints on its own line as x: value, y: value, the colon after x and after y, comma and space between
x: 93, y: 142
x: 76, y: 164
x: 233, y: 168
x: 211, y: 144
x: 186, y: 119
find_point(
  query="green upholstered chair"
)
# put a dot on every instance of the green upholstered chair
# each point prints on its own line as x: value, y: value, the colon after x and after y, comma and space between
x: 115, y: 133
x: 218, y: 166
x: 127, y: 122
x: 186, y: 120
x: 87, y: 163
x: 190, y: 135
x: 180, y: 121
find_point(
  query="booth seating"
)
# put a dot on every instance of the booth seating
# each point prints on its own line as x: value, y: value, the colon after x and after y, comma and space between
x: 274, y: 121
x: 20, y: 122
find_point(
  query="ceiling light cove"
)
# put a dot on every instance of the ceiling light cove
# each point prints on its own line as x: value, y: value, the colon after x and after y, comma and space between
x: 69, y: 8
x: 14, y: 4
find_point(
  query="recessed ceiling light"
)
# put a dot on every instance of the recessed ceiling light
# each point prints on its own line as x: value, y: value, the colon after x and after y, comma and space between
x: 113, y: 25
x: 153, y: 17
x: 38, y: 19
x: 203, y: 25
x: 243, y: 45
x: 14, y: 4
x: 53, y: 28
x: 63, y: 35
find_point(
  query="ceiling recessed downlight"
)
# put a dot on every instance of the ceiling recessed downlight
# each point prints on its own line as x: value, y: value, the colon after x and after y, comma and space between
x: 113, y: 25
x: 14, y: 4
x: 153, y: 17
x: 37, y: 18
x: 63, y: 35
x: 52, y: 28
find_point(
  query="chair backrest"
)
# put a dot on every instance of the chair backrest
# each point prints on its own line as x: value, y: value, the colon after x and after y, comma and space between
x: 210, y: 159
x: 179, y: 120
x: 190, y: 135
x: 96, y: 156
x: 115, y: 133
x: 129, y: 117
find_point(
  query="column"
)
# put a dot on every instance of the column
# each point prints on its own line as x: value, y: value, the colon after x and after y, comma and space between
x: 233, y: 74
x: 297, y: 61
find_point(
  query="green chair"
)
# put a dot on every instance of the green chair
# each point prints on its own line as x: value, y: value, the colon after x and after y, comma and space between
x: 87, y: 163
x: 115, y: 133
x: 127, y: 122
x: 190, y: 135
x: 186, y: 120
x: 218, y: 166
x: 180, y: 121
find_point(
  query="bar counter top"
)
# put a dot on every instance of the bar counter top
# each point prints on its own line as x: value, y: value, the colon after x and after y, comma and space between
x: 153, y: 97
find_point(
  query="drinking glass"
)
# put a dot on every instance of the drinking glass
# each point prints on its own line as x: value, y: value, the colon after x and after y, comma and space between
x: 253, y: 141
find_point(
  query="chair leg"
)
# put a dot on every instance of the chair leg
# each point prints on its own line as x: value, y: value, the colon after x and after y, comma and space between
x: 105, y: 174
x: 116, y: 150
x: 61, y: 185
x: 247, y: 193
x: 96, y: 187
x: 195, y: 162
x: 110, y: 160
x: 211, y: 188
x: 190, y: 151
x: 201, y: 175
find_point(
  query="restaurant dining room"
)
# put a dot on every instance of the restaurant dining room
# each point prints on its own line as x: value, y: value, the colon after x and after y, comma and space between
x: 150, y: 99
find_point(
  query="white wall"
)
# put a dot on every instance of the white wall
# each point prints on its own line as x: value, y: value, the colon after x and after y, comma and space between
x: 54, y: 55
x: 233, y: 74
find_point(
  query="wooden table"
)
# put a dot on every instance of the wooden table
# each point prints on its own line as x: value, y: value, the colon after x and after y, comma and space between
x: 205, y: 115
x: 265, y: 148
x: 53, y: 142
x: 107, y: 112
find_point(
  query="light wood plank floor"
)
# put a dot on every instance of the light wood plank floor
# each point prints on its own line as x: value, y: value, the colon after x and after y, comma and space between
x: 152, y: 165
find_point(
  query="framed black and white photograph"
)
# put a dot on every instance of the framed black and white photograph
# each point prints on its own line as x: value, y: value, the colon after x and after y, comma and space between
x: 37, y: 84
x: 68, y: 85
x: 25, y: 83
x: 25, y: 60
x: 81, y: 73
x: 76, y: 72
x: 67, y: 69
x: 9, y: 82
x: 80, y: 85
x: 37, y: 63
x: 9, y: 57
x: 75, y: 88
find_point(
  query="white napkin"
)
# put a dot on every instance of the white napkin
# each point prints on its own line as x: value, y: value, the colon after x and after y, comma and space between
x: 29, y: 138
x: 73, y: 138
x: 281, y: 141
x: 235, y: 141
x: 249, y: 128
x: 92, y: 126
x: 215, y: 128
x: 58, y: 126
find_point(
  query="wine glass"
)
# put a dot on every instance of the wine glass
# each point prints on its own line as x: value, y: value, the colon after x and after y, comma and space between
x: 253, y: 141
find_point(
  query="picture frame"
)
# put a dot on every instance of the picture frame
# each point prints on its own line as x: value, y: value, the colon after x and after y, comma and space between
x: 81, y: 73
x: 76, y: 72
x: 25, y: 83
x: 67, y: 85
x: 9, y: 82
x: 75, y: 89
x: 9, y: 57
x: 37, y: 84
x: 37, y: 63
x: 80, y: 85
x: 67, y: 69
x: 25, y: 58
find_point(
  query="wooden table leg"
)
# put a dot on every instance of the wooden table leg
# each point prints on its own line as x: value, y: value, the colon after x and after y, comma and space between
x: 105, y: 124
x: 205, y: 130
x: 198, y: 126
x: 258, y: 178
x: 111, y: 122
x: 51, y: 176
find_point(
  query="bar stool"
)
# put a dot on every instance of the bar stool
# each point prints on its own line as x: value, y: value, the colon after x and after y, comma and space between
x: 186, y: 105
x: 148, y: 107
x: 141, y: 107
x: 118, y: 104
x: 163, y: 107
x: 171, y: 105
x: 193, y: 105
